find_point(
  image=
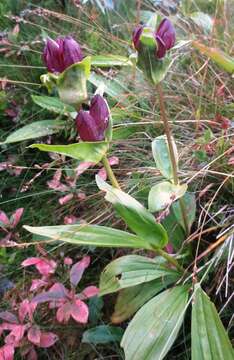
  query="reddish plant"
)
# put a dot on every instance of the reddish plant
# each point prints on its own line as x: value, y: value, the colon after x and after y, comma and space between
x: 68, y: 302
x: 23, y: 333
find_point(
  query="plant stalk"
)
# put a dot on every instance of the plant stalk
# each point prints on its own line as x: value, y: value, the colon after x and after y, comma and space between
x: 110, y: 173
x: 171, y: 151
x: 170, y: 259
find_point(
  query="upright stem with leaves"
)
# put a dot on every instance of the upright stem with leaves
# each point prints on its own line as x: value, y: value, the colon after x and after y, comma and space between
x: 171, y: 151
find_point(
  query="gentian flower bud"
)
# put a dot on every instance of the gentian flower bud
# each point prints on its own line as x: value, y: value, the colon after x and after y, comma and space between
x: 92, y: 124
x: 61, y: 53
x: 165, y: 36
x: 136, y: 36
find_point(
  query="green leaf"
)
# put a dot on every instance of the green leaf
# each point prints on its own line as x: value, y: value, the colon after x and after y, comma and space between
x: 174, y: 230
x: 154, y: 69
x: 190, y: 206
x: 53, y: 104
x: 209, y: 338
x: 130, y: 270
x: 131, y: 299
x: 72, y: 82
x: 161, y: 156
x: 35, y: 130
x: 154, y: 328
x: 102, y: 334
x: 84, y: 151
x: 163, y: 194
x: 90, y: 235
x: 223, y: 60
x: 138, y: 218
x: 109, y: 61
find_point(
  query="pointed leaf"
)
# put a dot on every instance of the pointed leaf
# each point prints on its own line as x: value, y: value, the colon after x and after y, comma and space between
x: 80, y: 311
x: 154, y: 328
x: 84, y: 151
x: 190, y: 206
x: 161, y: 156
x: 209, y: 338
x: 163, y: 194
x: 130, y: 270
x: 102, y: 334
x: 131, y: 299
x: 78, y: 269
x: 109, y: 61
x: 53, y: 104
x: 138, y: 218
x: 90, y: 235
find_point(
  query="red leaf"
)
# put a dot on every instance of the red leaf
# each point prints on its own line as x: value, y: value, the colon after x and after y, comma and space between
x: 67, y: 261
x: 70, y: 219
x: 44, y: 266
x: 15, y: 335
x: 26, y: 308
x: 78, y: 269
x: 80, y: 311
x: 88, y: 292
x: 7, y: 352
x: 83, y: 166
x: 48, y: 339
x: 16, y: 216
x: 9, y: 317
x: 34, y: 335
x: 37, y: 284
x: 64, y: 312
x: 65, y: 199
x: 32, y: 355
x: 4, y: 218
x: 56, y: 292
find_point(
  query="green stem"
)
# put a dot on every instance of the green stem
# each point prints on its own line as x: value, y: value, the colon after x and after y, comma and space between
x: 170, y: 259
x: 110, y: 173
x: 172, y: 154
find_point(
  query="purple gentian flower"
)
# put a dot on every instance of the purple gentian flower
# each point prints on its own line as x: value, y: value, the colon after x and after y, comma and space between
x: 164, y: 35
x: 92, y: 124
x: 61, y: 53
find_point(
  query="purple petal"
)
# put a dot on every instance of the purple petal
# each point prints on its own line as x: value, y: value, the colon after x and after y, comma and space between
x: 166, y: 33
x: 161, y: 49
x: 100, y: 112
x: 78, y: 269
x: 136, y: 36
x: 52, y: 56
x: 87, y: 127
x: 72, y: 52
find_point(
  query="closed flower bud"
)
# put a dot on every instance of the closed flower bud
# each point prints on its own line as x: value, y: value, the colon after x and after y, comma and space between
x: 61, y: 53
x: 165, y: 36
x: 92, y: 124
x: 136, y: 36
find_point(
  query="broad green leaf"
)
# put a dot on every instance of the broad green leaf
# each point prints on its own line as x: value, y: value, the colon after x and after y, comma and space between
x: 174, y: 230
x: 90, y: 235
x: 131, y: 299
x: 35, y: 130
x: 137, y: 217
x: 53, y: 104
x: 209, y: 338
x: 163, y: 194
x: 84, y: 151
x: 161, y: 156
x: 102, y: 334
x: 223, y: 60
x: 130, y: 270
x: 109, y: 61
x: 154, y: 328
x: 190, y: 206
x: 72, y: 82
